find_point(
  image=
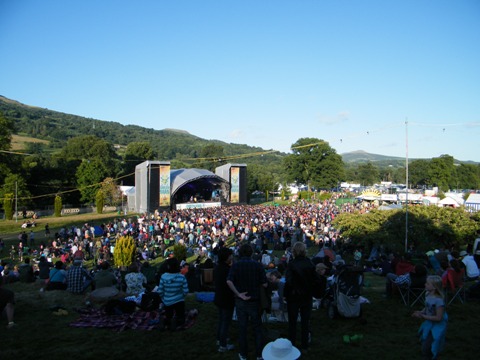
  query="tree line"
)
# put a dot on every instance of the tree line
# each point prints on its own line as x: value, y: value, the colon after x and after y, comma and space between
x: 84, y: 156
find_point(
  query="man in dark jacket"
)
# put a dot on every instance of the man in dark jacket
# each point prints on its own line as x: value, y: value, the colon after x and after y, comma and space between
x: 245, y: 278
x: 299, y: 280
x: 224, y: 298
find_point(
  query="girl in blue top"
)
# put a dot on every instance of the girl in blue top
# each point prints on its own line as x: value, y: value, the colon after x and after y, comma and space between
x: 433, y: 329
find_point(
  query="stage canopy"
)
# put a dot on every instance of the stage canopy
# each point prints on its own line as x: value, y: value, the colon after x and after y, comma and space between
x: 200, y: 184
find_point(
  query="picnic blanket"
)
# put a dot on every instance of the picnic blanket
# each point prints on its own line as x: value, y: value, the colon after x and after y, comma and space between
x: 139, y: 320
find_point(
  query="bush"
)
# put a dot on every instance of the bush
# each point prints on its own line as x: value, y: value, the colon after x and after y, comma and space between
x: 124, y: 252
x: 8, y: 206
x: 100, y: 201
x: 180, y: 252
x: 58, y: 206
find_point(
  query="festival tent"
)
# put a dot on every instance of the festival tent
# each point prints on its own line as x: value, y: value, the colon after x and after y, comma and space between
x: 448, y: 201
x: 473, y: 202
x: 390, y: 207
x: 430, y: 200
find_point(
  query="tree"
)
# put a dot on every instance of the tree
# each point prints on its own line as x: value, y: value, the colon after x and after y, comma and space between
x: 428, y: 227
x: 111, y: 192
x: 15, y: 184
x: 314, y: 163
x: 368, y: 174
x: 468, y: 176
x: 418, y: 172
x: 136, y: 153
x: 6, y: 130
x: 89, y: 147
x: 441, y: 172
x: 89, y: 177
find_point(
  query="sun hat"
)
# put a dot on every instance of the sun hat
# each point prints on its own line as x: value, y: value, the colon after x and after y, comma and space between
x: 463, y: 253
x: 280, y: 349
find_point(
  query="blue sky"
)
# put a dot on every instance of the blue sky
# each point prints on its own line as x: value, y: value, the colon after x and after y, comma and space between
x: 261, y: 73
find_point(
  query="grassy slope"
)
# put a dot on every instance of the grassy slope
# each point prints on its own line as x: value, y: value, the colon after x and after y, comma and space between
x: 389, y: 331
x: 19, y: 142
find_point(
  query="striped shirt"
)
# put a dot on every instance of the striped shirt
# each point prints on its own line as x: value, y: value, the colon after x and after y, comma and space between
x: 172, y: 288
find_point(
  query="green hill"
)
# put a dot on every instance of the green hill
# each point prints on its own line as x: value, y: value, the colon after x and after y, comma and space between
x: 57, y: 127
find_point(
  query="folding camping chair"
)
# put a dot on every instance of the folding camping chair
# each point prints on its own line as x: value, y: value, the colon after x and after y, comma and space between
x: 415, y: 292
x: 454, y: 286
x: 412, y: 295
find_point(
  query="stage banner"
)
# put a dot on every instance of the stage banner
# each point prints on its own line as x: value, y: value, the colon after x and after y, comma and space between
x: 164, y: 185
x: 235, y: 184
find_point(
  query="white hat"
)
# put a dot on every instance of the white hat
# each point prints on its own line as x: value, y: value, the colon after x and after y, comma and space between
x: 280, y: 349
x: 463, y: 253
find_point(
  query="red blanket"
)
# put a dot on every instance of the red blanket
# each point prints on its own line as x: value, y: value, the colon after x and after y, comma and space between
x: 139, y: 320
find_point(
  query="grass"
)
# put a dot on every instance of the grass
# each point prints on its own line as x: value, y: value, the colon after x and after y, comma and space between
x: 19, y: 142
x: 9, y: 229
x: 388, y: 330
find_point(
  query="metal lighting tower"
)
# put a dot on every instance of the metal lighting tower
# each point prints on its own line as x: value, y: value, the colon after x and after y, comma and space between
x: 406, y: 179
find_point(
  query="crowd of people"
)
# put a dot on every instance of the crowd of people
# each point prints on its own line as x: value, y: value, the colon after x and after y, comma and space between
x: 237, y: 241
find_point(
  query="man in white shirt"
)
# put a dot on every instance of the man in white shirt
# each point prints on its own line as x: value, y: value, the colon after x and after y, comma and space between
x: 471, y: 266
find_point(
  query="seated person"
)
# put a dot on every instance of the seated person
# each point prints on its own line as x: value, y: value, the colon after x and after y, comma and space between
x: 385, y: 266
x: 78, y: 278
x: 404, y: 265
x: 104, y: 277
x: 26, y: 273
x: 472, y: 270
x: 135, y: 281
x: 58, y: 277
x: 44, y: 267
x: 449, y: 281
x: 413, y: 279
x: 105, y: 284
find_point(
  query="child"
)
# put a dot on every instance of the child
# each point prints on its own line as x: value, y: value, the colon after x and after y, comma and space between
x: 173, y: 288
x: 433, y: 329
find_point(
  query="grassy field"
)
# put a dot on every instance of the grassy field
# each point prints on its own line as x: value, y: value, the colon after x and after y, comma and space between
x: 9, y: 229
x: 19, y: 142
x: 388, y: 330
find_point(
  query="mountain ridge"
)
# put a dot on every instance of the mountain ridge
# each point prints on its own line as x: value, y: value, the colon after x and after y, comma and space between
x: 60, y: 126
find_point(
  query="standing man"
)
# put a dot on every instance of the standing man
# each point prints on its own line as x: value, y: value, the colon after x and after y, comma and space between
x: 245, y: 279
x: 224, y: 298
x: 7, y: 303
x: 32, y: 239
x: 298, y: 292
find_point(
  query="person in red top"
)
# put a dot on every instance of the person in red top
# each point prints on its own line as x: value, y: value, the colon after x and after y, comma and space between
x: 405, y: 265
x: 79, y: 254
